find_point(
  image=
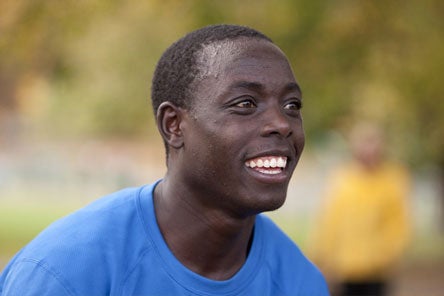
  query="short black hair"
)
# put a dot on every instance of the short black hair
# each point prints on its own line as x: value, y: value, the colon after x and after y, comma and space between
x: 177, y: 68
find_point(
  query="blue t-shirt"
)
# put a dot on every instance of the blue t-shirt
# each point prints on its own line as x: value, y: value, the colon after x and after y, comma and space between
x: 114, y: 247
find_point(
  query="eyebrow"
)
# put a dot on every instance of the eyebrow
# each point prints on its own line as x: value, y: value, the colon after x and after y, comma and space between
x: 247, y: 84
x: 293, y: 86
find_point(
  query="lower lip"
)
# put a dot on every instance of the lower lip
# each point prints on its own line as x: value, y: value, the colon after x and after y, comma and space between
x: 280, y: 177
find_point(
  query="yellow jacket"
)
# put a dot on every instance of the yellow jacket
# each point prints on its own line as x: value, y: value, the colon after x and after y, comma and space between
x: 364, y: 226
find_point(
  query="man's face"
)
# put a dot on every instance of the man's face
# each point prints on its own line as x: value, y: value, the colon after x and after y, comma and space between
x: 243, y: 134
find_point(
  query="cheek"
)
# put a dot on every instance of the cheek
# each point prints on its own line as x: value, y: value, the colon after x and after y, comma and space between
x: 299, y: 137
x: 213, y: 147
x: 300, y: 141
x: 213, y: 166
x: 221, y: 148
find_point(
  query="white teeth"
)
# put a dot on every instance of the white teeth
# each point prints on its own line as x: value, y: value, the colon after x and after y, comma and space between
x: 273, y: 162
x: 268, y: 162
x: 260, y: 163
x: 270, y: 172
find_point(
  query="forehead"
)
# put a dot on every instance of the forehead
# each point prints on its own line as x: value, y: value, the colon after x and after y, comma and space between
x: 243, y: 53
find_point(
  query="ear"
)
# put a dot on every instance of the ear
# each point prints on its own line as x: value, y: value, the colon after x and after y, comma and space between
x: 168, y: 119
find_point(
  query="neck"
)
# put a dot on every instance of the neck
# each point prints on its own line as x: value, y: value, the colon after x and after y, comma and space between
x: 206, y: 240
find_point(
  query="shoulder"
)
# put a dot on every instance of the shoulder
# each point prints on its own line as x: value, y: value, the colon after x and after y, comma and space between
x: 31, y: 277
x: 91, y: 224
x: 396, y: 170
x: 291, y: 269
x: 91, y: 246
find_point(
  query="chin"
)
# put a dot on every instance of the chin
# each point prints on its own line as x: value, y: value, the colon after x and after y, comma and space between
x: 271, y: 203
x: 276, y: 205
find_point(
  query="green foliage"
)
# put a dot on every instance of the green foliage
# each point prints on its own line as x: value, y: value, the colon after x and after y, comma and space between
x: 373, y: 60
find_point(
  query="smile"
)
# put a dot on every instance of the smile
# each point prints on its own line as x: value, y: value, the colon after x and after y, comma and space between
x: 270, y: 165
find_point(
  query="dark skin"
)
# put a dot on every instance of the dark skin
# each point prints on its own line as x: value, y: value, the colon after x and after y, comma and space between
x: 246, y: 108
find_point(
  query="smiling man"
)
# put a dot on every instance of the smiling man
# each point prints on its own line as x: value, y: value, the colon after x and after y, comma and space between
x: 228, y: 108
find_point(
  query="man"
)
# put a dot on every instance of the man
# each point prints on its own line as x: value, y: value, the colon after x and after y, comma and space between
x: 365, y: 219
x: 228, y: 108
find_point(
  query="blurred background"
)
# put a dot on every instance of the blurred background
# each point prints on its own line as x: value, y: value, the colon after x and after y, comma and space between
x: 76, y: 121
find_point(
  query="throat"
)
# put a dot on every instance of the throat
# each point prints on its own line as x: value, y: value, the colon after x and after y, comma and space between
x: 218, y: 261
x: 206, y: 241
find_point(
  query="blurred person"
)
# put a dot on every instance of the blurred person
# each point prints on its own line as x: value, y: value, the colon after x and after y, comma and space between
x: 364, y: 225
x: 227, y: 106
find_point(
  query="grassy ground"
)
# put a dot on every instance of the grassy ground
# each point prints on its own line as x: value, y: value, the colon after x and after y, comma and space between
x: 19, y: 223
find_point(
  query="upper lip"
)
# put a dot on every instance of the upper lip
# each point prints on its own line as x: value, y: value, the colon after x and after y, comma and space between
x: 273, y: 152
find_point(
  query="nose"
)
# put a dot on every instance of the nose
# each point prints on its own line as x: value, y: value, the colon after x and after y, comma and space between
x: 276, y: 123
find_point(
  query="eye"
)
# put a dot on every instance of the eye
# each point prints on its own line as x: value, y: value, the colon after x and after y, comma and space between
x: 247, y: 103
x: 293, y: 105
x: 242, y: 105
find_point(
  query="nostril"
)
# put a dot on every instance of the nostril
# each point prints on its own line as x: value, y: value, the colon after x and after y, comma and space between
x: 282, y: 131
x: 280, y: 128
x: 276, y: 123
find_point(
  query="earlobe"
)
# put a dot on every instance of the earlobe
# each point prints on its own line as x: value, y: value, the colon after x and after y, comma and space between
x: 168, y: 119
